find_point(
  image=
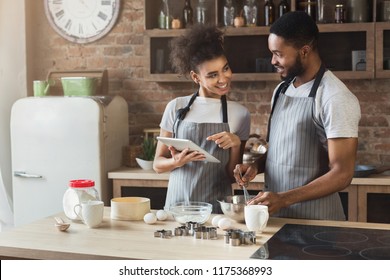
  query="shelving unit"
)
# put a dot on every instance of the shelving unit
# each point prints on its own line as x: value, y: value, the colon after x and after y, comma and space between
x: 245, y: 45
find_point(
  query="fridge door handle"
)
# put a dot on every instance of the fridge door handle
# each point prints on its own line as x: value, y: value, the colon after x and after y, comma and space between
x: 26, y: 175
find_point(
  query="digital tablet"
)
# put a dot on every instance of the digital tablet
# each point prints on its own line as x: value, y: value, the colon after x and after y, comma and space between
x: 181, y: 144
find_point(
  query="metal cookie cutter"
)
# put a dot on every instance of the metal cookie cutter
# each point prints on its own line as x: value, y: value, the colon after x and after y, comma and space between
x: 181, y: 231
x: 238, y: 237
x: 163, y: 233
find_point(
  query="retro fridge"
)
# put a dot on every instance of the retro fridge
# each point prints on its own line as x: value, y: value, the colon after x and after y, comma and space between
x: 56, y: 139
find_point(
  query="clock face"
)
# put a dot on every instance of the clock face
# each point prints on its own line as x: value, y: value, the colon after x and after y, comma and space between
x: 82, y: 21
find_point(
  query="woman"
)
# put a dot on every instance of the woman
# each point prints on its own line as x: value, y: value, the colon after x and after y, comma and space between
x: 218, y: 126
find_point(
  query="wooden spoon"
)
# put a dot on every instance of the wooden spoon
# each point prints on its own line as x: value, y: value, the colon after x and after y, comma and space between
x: 60, y: 224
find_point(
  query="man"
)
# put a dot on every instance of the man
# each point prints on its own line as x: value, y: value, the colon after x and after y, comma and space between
x: 313, y: 128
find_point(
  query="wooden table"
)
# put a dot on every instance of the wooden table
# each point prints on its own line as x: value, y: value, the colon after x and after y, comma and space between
x: 357, y: 191
x: 133, y: 240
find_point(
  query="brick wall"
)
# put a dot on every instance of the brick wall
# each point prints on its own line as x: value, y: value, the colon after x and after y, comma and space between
x: 122, y: 53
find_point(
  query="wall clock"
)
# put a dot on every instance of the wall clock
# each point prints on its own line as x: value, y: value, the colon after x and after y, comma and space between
x: 82, y: 21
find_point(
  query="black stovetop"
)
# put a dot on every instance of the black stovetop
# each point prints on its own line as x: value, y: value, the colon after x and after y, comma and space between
x: 304, y: 242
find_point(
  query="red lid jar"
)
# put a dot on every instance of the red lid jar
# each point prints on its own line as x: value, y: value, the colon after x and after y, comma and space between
x: 80, y: 190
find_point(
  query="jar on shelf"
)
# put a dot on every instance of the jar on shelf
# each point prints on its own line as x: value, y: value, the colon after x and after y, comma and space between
x: 201, y: 12
x: 250, y: 12
x: 188, y: 14
x: 163, y: 16
x: 269, y: 12
x: 339, y: 14
x: 357, y: 10
x: 79, y: 191
x: 229, y: 13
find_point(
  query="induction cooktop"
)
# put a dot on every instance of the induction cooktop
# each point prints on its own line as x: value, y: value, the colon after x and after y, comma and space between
x: 306, y: 242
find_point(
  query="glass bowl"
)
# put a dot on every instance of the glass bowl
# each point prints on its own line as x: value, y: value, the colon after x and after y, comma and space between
x: 191, y: 211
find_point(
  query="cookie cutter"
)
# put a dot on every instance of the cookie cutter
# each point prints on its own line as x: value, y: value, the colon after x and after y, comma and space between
x: 237, y: 237
x: 163, y: 233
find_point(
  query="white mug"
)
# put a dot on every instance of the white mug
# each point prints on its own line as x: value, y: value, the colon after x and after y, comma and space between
x: 90, y: 212
x: 256, y: 217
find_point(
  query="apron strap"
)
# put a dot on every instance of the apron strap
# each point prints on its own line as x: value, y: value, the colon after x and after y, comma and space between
x: 181, y: 113
x: 283, y: 87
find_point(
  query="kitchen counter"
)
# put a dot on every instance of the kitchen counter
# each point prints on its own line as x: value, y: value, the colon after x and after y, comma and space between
x: 357, y: 192
x: 116, y: 239
x: 140, y: 174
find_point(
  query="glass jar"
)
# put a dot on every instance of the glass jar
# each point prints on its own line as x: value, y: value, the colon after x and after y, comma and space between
x: 357, y: 10
x: 78, y: 191
x: 163, y: 17
x: 229, y: 12
x: 201, y: 12
x: 339, y: 14
x: 250, y: 12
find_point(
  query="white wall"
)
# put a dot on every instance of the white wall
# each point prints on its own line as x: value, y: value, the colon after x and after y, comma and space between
x: 13, y: 77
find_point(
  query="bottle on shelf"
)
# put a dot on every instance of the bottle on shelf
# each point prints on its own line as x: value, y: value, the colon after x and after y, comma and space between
x: 229, y: 12
x: 163, y: 17
x: 201, y: 12
x: 283, y: 8
x: 188, y: 14
x: 309, y: 6
x: 269, y: 12
x: 250, y: 12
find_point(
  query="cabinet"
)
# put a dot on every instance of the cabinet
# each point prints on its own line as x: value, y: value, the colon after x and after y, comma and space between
x: 247, y: 47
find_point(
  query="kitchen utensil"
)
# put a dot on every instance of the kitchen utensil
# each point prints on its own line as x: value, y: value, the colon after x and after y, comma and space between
x: 233, y: 207
x: 60, y: 224
x: 244, y: 188
x: 191, y: 211
x: 367, y: 170
x: 129, y: 208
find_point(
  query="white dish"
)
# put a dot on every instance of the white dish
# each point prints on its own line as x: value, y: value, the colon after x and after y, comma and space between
x: 181, y: 144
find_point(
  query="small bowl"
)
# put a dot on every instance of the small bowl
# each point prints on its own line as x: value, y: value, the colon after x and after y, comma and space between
x: 191, y: 211
x: 233, y: 207
x: 129, y: 208
x: 145, y: 164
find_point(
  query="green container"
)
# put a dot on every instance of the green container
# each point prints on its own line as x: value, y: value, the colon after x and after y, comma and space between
x: 79, y: 86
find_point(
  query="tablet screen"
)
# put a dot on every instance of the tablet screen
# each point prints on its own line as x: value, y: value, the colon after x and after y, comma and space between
x: 181, y: 144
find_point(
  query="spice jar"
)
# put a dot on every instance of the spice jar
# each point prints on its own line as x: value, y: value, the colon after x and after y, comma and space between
x: 79, y: 191
x: 339, y: 14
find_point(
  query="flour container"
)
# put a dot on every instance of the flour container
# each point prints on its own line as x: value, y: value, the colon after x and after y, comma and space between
x: 79, y: 191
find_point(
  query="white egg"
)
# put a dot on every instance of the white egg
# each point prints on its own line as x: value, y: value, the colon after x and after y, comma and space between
x: 150, y: 218
x: 161, y: 215
x: 225, y: 223
x: 215, y: 220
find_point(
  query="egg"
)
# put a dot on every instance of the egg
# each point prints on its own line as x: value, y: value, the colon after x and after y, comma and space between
x: 150, y: 218
x: 215, y: 220
x: 225, y: 223
x: 161, y: 215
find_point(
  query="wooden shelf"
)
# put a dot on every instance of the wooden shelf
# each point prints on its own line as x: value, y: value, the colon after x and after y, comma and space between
x: 246, y: 44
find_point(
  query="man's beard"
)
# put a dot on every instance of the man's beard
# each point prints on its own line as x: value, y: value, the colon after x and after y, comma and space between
x: 295, y: 70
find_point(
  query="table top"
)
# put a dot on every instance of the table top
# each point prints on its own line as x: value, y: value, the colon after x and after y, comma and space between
x: 116, y: 239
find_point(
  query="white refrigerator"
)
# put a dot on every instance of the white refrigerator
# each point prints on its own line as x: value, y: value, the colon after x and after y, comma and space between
x: 56, y: 139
